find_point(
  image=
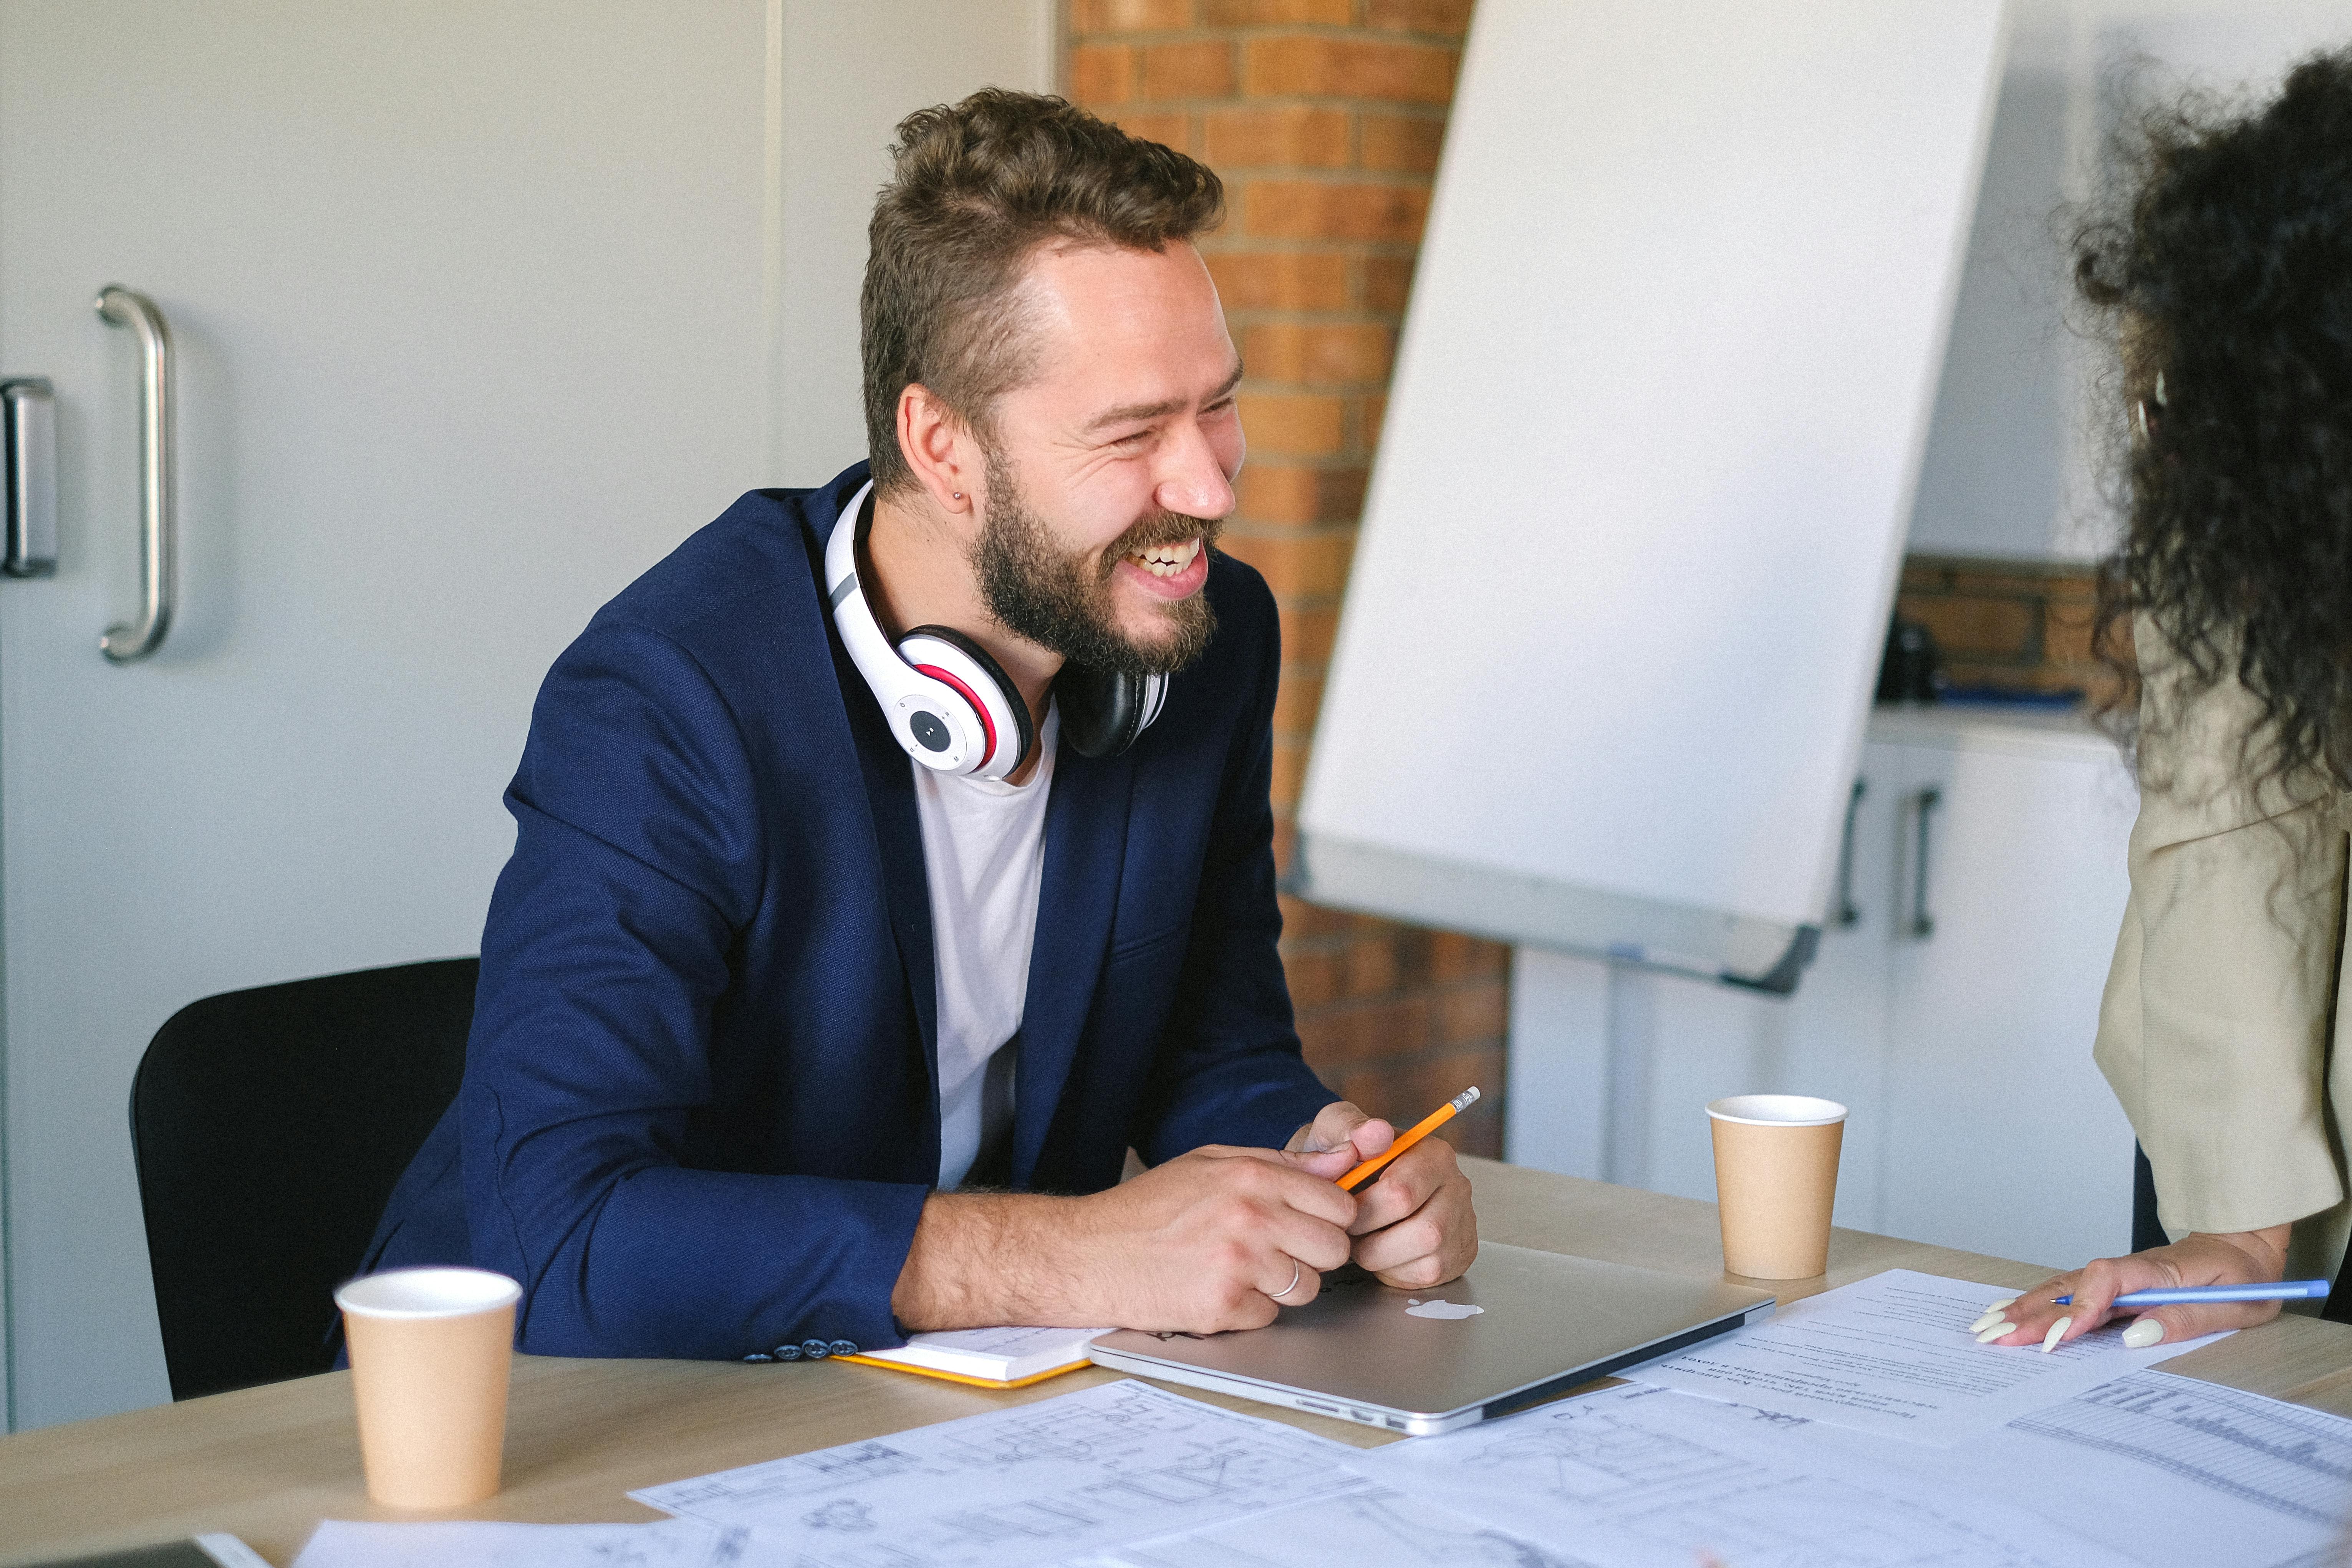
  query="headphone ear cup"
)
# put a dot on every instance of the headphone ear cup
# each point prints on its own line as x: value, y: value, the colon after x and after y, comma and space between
x: 947, y: 655
x: 1102, y: 711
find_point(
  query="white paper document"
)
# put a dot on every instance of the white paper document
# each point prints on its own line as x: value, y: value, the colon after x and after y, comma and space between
x: 672, y: 1543
x: 1639, y: 1477
x: 2148, y: 1469
x: 1891, y: 1354
x: 2172, y: 1470
x: 1060, y: 1478
x: 1371, y: 1527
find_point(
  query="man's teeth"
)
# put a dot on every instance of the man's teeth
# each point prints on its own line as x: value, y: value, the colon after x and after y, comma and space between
x: 1166, y: 560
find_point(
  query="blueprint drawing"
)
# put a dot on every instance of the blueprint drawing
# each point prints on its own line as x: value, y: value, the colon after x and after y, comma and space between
x: 678, y: 1543
x: 1372, y: 1527
x: 1060, y: 1478
x: 1636, y: 1476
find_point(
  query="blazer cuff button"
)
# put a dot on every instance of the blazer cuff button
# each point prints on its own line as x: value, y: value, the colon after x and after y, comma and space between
x: 759, y: 1355
x: 843, y: 1347
x: 788, y: 1352
x: 816, y: 1350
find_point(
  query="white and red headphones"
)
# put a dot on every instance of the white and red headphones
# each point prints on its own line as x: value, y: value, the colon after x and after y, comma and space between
x: 949, y: 703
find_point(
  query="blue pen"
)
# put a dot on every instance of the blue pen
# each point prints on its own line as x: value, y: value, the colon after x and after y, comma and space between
x: 2190, y: 1295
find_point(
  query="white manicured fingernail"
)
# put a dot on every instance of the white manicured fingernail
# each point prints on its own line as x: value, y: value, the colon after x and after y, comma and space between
x: 1995, y: 1331
x: 1991, y: 1315
x: 2144, y: 1333
x: 1997, y: 1306
x: 2057, y: 1330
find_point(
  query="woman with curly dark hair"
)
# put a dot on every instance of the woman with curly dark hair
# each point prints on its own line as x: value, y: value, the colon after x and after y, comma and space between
x: 2228, y: 279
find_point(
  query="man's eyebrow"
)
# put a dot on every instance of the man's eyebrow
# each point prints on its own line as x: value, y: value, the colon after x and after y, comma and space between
x: 1129, y: 413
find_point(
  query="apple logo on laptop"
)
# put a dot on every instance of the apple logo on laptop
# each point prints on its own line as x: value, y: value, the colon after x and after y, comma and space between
x: 1441, y: 1308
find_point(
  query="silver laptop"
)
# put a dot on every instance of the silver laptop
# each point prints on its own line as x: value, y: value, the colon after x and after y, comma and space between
x: 1520, y: 1327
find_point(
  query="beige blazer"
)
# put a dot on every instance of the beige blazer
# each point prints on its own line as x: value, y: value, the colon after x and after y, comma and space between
x: 2220, y: 1029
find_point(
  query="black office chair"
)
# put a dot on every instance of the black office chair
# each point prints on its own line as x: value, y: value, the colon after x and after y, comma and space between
x: 269, y: 1126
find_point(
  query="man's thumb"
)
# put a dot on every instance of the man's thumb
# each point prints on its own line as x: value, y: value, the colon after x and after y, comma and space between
x: 1326, y: 1164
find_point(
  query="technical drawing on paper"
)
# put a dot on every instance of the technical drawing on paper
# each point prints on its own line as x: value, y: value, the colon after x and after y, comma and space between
x: 2283, y: 1457
x: 841, y: 1513
x: 1677, y: 1492
x: 1372, y: 1528
x: 1636, y: 1474
x: 1604, y: 1459
x: 672, y: 1543
x: 1059, y: 1477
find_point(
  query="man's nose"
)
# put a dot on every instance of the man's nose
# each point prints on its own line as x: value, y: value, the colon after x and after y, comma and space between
x: 1193, y: 482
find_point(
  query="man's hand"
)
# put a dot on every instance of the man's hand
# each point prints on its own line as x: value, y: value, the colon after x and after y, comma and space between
x: 1414, y: 1226
x: 1199, y: 1245
x: 2240, y: 1258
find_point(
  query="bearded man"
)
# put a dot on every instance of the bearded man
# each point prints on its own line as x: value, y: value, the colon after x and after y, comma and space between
x: 895, y: 855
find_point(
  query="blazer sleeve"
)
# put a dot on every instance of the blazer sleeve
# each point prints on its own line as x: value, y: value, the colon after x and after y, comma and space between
x: 637, y: 859
x: 2214, y: 1029
x: 1229, y: 1067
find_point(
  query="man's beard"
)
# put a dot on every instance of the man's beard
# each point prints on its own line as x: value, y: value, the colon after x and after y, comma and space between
x: 1062, y: 603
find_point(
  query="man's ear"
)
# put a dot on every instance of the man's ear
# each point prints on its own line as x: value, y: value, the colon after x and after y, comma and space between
x: 939, y: 450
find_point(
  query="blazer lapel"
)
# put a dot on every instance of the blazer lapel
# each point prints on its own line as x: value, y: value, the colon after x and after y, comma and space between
x: 1086, y: 844
x: 899, y: 838
x: 898, y: 846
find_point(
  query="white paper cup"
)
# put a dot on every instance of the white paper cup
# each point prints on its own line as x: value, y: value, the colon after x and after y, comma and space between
x: 1776, y: 1159
x: 431, y: 1349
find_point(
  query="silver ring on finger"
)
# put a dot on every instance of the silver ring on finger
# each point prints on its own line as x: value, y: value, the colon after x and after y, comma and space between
x: 1286, y: 1289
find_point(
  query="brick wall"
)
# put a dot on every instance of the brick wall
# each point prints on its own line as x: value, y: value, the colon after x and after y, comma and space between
x: 1324, y: 117
x: 2006, y: 623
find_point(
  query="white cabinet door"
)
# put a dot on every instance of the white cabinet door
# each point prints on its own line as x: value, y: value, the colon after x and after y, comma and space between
x: 1976, y: 1118
x: 1612, y: 1066
x: 480, y: 309
x: 2001, y: 1135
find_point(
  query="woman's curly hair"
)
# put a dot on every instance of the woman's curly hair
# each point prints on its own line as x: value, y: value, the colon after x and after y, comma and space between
x: 2226, y: 269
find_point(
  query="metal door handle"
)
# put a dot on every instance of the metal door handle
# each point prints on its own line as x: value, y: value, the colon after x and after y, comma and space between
x: 1849, y: 913
x: 157, y: 528
x: 1923, y: 924
x: 28, y: 422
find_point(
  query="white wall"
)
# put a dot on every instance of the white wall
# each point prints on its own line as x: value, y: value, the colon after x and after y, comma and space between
x: 849, y: 76
x: 2013, y: 463
x: 480, y: 311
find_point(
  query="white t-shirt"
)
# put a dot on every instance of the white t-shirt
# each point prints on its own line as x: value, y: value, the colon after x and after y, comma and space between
x: 984, y: 857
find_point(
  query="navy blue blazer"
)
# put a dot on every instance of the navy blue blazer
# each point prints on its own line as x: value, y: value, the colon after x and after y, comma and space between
x: 701, y: 1114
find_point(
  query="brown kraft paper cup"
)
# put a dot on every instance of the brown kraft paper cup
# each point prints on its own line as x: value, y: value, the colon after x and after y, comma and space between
x: 430, y: 1349
x: 1776, y: 1159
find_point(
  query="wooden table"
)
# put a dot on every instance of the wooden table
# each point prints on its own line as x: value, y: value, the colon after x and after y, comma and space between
x: 266, y: 1464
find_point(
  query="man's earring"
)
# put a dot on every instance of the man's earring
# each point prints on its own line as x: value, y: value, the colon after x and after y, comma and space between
x: 958, y: 494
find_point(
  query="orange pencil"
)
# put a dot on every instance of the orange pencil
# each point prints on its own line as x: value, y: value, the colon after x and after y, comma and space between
x: 1421, y: 1129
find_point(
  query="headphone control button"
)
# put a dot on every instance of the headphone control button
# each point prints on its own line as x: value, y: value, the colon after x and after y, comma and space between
x: 930, y: 733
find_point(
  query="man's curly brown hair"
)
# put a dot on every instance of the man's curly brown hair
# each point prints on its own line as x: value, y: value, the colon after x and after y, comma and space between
x: 977, y: 186
x: 2225, y: 264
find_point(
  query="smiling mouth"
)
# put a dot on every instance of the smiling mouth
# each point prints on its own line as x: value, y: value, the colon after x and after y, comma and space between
x: 1166, y: 560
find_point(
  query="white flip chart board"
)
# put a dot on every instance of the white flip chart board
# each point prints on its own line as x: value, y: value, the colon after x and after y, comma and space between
x: 1632, y: 534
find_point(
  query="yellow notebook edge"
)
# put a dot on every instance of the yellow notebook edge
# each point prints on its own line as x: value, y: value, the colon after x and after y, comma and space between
x: 965, y: 1377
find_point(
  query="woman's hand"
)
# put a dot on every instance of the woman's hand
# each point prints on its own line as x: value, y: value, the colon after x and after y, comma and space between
x: 2240, y: 1257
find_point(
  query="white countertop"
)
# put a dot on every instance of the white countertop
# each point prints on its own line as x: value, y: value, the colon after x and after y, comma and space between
x: 1968, y: 727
